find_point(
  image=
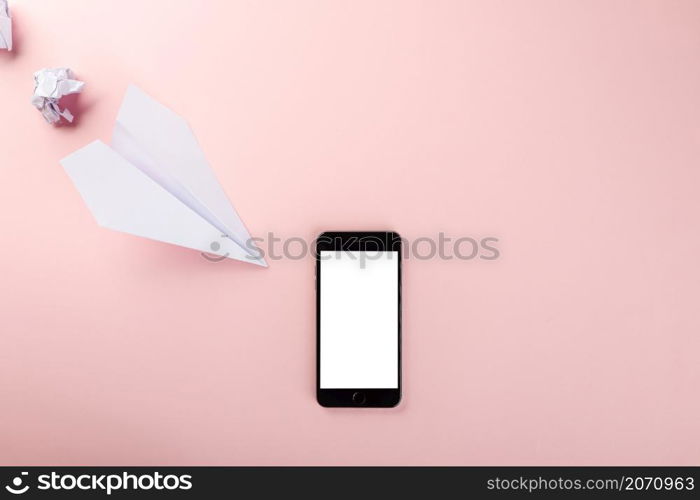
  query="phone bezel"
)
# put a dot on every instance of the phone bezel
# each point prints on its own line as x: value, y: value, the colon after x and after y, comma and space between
x: 356, y: 241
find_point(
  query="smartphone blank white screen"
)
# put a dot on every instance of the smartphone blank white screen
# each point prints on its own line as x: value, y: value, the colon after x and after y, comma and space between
x: 359, y: 320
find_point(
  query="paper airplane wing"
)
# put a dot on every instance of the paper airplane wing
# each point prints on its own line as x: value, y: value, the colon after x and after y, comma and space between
x: 123, y: 198
x: 161, y: 144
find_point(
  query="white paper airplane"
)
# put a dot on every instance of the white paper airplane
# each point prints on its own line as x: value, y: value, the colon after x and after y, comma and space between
x: 5, y: 26
x: 154, y: 181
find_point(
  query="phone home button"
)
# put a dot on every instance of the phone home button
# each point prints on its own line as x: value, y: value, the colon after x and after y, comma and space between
x: 359, y: 398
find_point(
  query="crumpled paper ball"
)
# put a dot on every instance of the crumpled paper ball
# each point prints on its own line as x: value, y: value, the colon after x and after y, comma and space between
x: 49, y: 86
x: 5, y: 26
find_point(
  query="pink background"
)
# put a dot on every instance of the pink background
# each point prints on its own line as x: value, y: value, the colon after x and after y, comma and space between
x: 569, y: 130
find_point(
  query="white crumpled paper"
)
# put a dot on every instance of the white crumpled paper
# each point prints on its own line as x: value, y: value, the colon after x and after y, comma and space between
x: 49, y: 86
x: 5, y: 26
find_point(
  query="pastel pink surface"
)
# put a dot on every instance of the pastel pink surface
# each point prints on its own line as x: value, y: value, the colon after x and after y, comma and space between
x: 569, y: 130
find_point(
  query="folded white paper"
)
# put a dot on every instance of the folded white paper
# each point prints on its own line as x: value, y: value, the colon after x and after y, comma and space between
x: 50, y: 84
x: 5, y: 26
x: 155, y: 182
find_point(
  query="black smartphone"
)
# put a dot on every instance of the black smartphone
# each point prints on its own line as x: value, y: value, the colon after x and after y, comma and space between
x: 358, y: 319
